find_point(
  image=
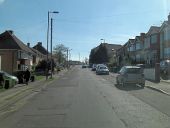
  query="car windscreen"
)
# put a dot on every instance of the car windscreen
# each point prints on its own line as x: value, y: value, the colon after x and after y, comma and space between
x: 133, y: 70
x: 103, y: 67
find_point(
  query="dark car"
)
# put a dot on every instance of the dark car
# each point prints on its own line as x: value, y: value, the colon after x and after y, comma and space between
x: 84, y: 66
x: 20, y: 75
x: 94, y: 67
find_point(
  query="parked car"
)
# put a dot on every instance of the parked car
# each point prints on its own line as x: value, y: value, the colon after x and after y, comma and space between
x: 102, y: 69
x: 7, y: 80
x: 84, y: 66
x: 165, y: 68
x: 94, y: 67
x: 130, y: 75
x: 142, y: 66
x: 20, y: 75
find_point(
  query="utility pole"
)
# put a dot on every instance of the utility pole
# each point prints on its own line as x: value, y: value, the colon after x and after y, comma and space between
x: 51, y: 46
x: 67, y: 58
x: 79, y: 57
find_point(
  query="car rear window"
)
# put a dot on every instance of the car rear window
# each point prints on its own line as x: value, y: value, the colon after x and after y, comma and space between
x: 103, y: 67
x: 133, y: 70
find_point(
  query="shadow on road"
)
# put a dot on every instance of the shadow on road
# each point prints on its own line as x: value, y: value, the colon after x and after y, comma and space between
x: 128, y: 87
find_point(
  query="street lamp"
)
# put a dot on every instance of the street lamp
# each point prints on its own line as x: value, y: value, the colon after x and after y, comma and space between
x: 48, y: 38
x: 48, y: 28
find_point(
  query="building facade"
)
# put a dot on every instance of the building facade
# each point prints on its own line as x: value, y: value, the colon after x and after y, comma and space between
x: 165, y: 40
x: 15, y: 55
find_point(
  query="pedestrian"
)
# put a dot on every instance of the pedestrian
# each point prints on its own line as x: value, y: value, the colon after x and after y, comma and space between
x: 27, y: 76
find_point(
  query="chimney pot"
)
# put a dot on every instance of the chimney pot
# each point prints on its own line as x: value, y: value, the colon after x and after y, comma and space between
x: 28, y: 44
x: 11, y: 32
x: 169, y: 17
x: 40, y: 43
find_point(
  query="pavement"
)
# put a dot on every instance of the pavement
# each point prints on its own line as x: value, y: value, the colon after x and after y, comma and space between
x: 20, y: 91
x: 81, y: 99
x: 163, y: 86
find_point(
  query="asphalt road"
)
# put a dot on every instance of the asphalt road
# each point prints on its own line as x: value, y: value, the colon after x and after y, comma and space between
x: 81, y: 99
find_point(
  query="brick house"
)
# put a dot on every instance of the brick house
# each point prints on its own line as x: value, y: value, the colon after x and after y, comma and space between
x: 152, y: 46
x: 110, y: 52
x: 38, y: 56
x: 40, y: 48
x: 165, y: 40
x: 14, y: 54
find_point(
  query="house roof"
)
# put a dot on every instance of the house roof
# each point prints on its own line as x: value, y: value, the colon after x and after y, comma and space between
x: 37, y: 52
x: 153, y: 30
x: 110, y: 48
x: 40, y: 48
x: 165, y: 24
x: 139, y: 38
x: 9, y: 41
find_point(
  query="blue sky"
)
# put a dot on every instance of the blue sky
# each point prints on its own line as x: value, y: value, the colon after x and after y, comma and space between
x: 81, y: 23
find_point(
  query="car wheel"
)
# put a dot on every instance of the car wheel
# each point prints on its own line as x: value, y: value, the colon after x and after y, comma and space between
x: 123, y: 83
x: 117, y: 81
x: 142, y: 85
x: 6, y: 84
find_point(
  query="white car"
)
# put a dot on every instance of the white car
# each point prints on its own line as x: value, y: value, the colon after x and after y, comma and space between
x: 7, y: 80
x: 102, y: 69
x: 131, y: 75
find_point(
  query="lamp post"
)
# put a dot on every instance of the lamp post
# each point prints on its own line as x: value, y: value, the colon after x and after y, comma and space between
x: 48, y: 28
x: 51, y: 40
x: 69, y: 56
x: 103, y: 40
x: 48, y: 37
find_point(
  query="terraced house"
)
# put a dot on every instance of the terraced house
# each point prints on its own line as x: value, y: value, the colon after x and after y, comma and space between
x: 165, y: 40
x: 152, y: 46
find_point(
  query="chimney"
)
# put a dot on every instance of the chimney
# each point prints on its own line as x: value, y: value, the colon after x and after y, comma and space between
x: 40, y: 43
x: 169, y: 17
x: 11, y: 32
x: 28, y: 44
x: 142, y: 34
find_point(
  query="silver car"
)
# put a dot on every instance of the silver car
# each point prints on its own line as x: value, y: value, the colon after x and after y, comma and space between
x: 131, y: 75
x: 102, y: 69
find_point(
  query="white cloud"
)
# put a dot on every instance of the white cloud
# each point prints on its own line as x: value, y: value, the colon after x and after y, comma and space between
x: 1, y: 1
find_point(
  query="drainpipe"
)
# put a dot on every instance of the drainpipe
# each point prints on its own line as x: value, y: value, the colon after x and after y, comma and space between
x: 13, y: 61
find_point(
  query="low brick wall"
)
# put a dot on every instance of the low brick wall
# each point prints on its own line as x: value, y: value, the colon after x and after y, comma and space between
x: 150, y: 74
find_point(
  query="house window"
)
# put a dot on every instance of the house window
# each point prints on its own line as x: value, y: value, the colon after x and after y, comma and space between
x: 167, y: 35
x: 138, y: 58
x: 153, y: 39
x: 161, y: 38
x: 132, y: 48
x: 167, y: 52
x: 138, y: 46
x: 147, y: 42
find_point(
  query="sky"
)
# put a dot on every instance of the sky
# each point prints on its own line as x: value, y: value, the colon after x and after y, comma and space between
x: 80, y: 24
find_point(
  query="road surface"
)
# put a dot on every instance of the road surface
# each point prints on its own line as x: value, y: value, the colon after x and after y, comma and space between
x: 81, y: 99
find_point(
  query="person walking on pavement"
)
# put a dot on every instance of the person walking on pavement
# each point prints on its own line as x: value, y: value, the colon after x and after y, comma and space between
x: 27, y: 76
